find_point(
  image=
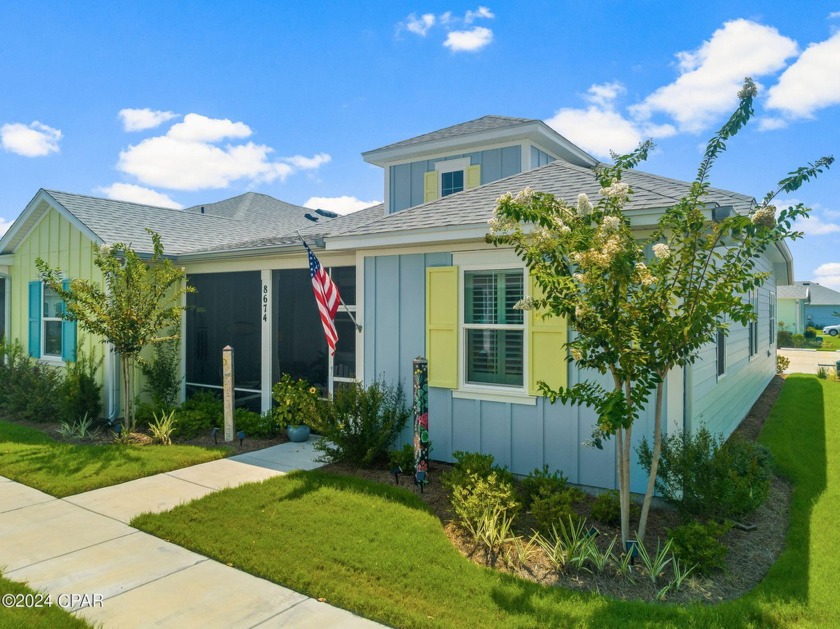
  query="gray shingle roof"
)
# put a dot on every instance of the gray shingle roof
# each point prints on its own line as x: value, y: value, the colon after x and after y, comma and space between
x: 821, y: 295
x: 560, y: 178
x: 243, y: 218
x: 485, y: 123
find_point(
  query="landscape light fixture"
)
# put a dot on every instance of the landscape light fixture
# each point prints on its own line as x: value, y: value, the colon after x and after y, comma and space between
x: 214, y: 432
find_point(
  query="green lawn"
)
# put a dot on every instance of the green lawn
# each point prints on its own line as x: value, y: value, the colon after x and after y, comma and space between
x: 829, y: 343
x: 61, y: 469
x: 48, y: 617
x: 377, y: 551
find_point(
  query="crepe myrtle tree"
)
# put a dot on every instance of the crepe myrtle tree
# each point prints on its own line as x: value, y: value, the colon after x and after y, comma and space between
x: 140, y: 299
x: 638, y: 315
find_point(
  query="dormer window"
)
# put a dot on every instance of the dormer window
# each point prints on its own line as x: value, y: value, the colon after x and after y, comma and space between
x: 450, y: 183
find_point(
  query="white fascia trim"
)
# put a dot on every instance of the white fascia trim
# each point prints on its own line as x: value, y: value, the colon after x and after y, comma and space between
x: 409, y: 237
x: 452, y: 165
x: 537, y: 131
x: 22, y: 225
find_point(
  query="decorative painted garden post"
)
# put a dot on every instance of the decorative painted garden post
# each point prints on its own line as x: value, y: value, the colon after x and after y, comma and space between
x: 227, y: 390
x: 421, y: 422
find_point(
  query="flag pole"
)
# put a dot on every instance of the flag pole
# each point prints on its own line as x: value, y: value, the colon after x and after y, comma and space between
x: 340, y: 298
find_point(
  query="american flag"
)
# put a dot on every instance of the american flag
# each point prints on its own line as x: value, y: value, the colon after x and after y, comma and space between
x: 326, y: 294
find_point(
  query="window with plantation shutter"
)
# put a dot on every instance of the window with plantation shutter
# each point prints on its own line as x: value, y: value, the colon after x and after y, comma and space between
x: 494, y: 333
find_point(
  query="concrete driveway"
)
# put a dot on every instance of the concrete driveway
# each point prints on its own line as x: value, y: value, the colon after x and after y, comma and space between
x: 808, y: 360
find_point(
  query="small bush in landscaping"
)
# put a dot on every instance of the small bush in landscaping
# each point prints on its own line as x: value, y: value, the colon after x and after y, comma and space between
x: 361, y: 424
x: 28, y: 390
x: 542, y: 482
x: 785, y: 339
x: 296, y: 402
x: 162, y: 428
x: 782, y: 363
x: 256, y: 425
x: 697, y: 544
x: 199, y: 413
x: 550, y: 508
x: 468, y: 464
x: 163, y: 375
x: 80, y: 389
x: 822, y: 373
x: 810, y: 333
x: 479, y: 496
x: 402, y: 458
x: 799, y: 340
x: 607, y: 508
x: 704, y: 476
x: 80, y: 429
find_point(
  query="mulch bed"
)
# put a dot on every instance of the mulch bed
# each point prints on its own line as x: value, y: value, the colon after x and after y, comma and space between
x: 751, y: 553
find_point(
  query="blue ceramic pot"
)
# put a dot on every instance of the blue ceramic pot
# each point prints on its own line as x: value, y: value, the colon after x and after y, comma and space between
x: 298, y: 434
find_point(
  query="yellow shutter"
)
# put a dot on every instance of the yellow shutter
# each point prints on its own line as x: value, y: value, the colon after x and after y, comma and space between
x: 430, y: 186
x: 546, y: 351
x: 442, y: 326
x: 473, y: 176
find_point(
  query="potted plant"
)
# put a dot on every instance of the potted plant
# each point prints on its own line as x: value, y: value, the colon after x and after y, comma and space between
x: 296, y: 406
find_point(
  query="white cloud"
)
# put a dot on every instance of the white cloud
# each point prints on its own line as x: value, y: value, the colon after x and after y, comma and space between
x: 599, y: 128
x: 187, y: 157
x: 340, y: 205
x: 472, y: 40
x: 142, y: 119
x: 420, y: 25
x: 138, y: 194
x: 810, y: 83
x: 480, y: 13
x: 464, y: 40
x: 828, y: 274
x: 813, y: 225
x: 33, y: 140
x: 833, y: 14
x: 769, y: 123
x: 4, y: 225
x: 198, y: 128
x: 711, y: 75
x: 309, y: 163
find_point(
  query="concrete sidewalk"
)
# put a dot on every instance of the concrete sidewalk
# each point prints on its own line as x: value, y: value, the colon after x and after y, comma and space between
x: 808, y: 360
x: 82, y: 545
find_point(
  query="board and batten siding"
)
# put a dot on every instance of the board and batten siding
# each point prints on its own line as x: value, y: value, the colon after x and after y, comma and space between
x: 520, y: 436
x: 60, y: 244
x: 720, y: 403
x: 406, y: 180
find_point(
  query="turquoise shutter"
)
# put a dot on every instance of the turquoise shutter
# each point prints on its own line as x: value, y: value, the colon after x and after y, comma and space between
x: 35, y: 319
x: 68, y: 333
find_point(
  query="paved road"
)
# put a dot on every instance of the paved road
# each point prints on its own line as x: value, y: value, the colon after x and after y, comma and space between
x: 808, y: 361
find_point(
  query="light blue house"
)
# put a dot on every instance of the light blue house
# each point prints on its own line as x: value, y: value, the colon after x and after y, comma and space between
x: 808, y: 304
x: 417, y: 274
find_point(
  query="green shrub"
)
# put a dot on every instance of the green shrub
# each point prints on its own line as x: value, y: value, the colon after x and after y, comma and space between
x: 469, y: 464
x: 799, y: 340
x: 782, y: 363
x: 163, y: 375
x: 551, y: 508
x: 810, y: 333
x: 785, y: 339
x: 541, y: 482
x: 296, y: 402
x: 256, y: 425
x: 29, y: 390
x: 402, y: 458
x: 361, y: 424
x: 162, y: 428
x: 199, y: 413
x: 705, y: 477
x: 607, y: 508
x: 697, y: 544
x: 480, y: 495
x: 822, y: 373
x: 81, y: 392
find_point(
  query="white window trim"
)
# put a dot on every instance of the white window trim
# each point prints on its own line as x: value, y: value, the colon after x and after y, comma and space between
x: 331, y: 377
x: 49, y: 358
x: 451, y: 166
x: 489, y: 261
x: 773, y: 315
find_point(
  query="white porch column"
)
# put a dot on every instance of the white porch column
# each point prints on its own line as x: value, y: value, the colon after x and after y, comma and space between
x: 266, y: 344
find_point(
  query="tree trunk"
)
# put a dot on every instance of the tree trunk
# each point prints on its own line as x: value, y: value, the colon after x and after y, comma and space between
x: 127, y: 361
x: 654, y: 465
x: 623, y: 496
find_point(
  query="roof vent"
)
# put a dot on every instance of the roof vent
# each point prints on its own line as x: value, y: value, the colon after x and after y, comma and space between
x: 806, y: 283
x: 326, y: 213
x: 202, y: 209
x: 314, y: 219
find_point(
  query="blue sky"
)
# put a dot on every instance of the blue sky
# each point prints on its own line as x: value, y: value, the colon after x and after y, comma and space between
x: 181, y: 103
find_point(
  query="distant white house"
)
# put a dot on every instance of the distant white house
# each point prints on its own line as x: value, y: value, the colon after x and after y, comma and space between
x: 807, y: 303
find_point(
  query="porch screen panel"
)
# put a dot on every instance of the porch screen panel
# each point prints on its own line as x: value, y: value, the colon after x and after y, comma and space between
x: 225, y: 310
x: 300, y: 348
